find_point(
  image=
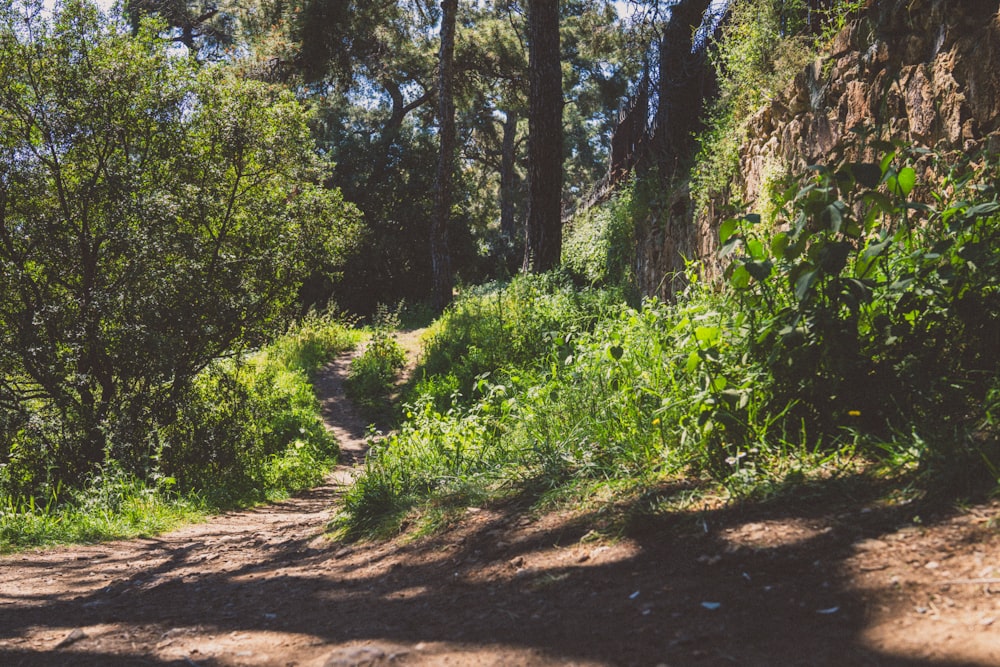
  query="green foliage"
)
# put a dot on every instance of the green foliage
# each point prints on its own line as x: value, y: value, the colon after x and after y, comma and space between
x: 443, y: 456
x: 373, y: 374
x: 154, y: 216
x: 762, y: 46
x: 312, y: 342
x: 878, y: 313
x: 112, y: 505
x: 866, y: 327
x: 599, y: 243
x: 248, y: 431
x: 836, y: 17
x: 501, y: 325
x: 251, y: 429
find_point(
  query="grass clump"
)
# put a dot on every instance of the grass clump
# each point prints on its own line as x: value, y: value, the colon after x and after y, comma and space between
x: 112, y: 505
x: 373, y: 374
x: 502, y: 325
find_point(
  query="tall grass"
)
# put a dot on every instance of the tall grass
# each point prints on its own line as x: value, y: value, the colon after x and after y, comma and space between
x: 112, y: 505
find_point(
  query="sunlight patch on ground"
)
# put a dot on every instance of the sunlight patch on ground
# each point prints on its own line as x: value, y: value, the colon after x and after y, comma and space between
x: 774, y: 534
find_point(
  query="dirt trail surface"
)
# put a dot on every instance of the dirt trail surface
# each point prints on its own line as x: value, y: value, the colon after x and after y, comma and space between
x: 806, y: 582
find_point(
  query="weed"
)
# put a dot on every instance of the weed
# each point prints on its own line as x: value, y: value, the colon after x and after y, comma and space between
x: 373, y: 374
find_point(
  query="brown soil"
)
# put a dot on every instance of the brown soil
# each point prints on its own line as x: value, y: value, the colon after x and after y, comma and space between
x: 824, y: 578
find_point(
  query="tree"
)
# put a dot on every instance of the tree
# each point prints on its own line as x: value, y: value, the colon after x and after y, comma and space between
x: 197, y: 24
x: 440, y: 257
x: 152, y: 218
x: 684, y: 77
x: 368, y: 68
x: 543, y: 240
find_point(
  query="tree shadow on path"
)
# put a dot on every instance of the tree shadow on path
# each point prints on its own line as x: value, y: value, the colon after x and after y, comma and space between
x: 705, y: 588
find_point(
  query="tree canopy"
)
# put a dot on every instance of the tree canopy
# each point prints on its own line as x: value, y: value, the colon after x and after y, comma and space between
x: 154, y: 216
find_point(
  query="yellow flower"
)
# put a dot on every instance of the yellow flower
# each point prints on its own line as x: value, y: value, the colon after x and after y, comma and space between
x: 656, y: 422
x: 854, y: 413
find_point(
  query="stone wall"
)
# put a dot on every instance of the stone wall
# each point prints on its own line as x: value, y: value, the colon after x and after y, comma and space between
x: 924, y: 71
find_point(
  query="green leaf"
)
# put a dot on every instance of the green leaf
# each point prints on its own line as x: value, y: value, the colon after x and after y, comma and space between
x: 982, y: 209
x: 778, y: 245
x: 740, y: 278
x: 795, y: 249
x: 833, y: 257
x: 878, y: 201
x: 729, y: 246
x: 727, y: 229
x: 887, y: 162
x: 833, y: 217
x: 876, y: 249
x: 759, y: 270
x: 907, y: 180
x: 901, y: 183
x: 804, y: 284
x: 707, y: 334
x: 692, y: 362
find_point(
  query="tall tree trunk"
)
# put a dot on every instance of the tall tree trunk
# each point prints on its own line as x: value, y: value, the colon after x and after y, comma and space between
x: 682, y: 76
x: 545, y: 138
x: 508, y: 159
x: 440, y: 254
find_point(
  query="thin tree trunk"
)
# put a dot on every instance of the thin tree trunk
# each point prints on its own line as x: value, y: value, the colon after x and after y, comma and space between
x: 440, y: 254
x: 508, y: 159
x: 543, y: 245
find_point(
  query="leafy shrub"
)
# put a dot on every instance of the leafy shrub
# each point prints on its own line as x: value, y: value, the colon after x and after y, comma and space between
x: 599, y: 243
x: 877, y: 313
x: 190, y: 209
x: 248, y: 430
x: 506, y: 324
x: 373, y: 374
x: 251, y: 428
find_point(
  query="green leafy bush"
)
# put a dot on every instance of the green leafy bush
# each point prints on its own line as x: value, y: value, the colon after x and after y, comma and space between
x: 373, y: 374
x: 599, y: 243
x: 155, y: 215
x: 249, y: 430
x: 500, y: 325
x: 252, y: 429
x: 874, y: 311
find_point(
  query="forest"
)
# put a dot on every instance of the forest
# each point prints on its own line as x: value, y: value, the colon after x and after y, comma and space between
x: 203, y: 203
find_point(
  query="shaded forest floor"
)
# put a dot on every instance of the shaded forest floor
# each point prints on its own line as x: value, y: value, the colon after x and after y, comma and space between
x: 828, y: 576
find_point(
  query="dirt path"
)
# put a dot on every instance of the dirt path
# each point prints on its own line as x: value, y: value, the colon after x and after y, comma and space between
x: 814, y: 582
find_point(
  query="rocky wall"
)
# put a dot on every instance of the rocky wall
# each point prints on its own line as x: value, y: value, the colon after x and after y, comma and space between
x: 922, y: 71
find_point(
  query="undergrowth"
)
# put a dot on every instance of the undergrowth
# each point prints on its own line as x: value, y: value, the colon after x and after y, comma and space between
x: 249, y: 431
x: 373, y: 374
x: 862, y: 335
x: 761, y: 47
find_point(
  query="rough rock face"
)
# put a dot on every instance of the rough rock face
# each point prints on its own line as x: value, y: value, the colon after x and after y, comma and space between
x: 924, y: 71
